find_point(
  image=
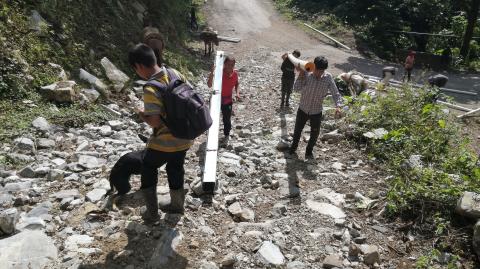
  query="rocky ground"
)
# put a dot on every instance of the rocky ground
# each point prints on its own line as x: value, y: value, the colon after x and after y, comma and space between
x: 270, y: 210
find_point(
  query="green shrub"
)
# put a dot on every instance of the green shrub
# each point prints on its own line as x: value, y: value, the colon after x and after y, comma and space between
x: 418, y: 126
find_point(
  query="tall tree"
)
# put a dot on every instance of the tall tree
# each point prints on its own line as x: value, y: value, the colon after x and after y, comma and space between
x: 425, y: 16
x: 472, y: 9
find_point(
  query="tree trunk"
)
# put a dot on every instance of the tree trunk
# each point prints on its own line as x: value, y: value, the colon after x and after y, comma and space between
x: 472, y: 14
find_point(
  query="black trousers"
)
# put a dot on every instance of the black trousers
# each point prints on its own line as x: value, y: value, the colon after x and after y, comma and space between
x: 287, y: 86
x: 133, y: 162
x: 153, y: 159
x: 129, y: 164
x: 300, y: 122
x: 227, y: 118
x: 408, y: 74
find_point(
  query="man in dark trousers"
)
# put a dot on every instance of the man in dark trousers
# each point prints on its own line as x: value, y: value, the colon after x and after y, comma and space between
x: 314, y: 87
x: 162, y: 147
x: 288, y: 78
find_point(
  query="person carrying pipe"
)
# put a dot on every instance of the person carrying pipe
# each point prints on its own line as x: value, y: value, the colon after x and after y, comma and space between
x: 314, y: 87
x: 230, y: 82
x: 288, y: 78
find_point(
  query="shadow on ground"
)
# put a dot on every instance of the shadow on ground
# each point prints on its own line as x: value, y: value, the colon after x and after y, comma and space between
x: 147, y: 247
x: 293, y: 164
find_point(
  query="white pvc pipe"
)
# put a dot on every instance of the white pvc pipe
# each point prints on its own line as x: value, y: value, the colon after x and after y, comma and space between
x: 305, y: 65
x: 327, y: 36
x: 455, y: 106
x: 210, y: 169
x: 469, y: 113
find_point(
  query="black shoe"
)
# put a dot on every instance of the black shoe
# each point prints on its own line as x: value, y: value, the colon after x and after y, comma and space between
x: 291, y: 152
x: 309, y: 156
x: 289, y: 155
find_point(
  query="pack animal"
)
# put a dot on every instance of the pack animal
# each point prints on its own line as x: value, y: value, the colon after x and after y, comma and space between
x: 209, y: 37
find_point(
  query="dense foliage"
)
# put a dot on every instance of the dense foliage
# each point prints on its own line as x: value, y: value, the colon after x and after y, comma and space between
x: 378, y: 22
x: 74, y: 35
x: 430, y: 164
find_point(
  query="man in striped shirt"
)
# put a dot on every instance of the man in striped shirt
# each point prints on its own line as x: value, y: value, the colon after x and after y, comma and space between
x: 314, y: 87
x: 162, y: 147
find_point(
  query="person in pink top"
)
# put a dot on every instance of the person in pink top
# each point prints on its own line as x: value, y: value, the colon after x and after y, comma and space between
x: 409, y: 62
x: 229, y: 83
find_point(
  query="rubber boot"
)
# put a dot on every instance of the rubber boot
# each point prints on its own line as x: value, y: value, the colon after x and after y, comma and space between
x: 151, y: 202
x: 175, y: 205
x: 113, y: 202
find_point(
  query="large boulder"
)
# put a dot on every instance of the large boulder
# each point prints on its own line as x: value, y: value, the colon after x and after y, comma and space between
x: 8, y: 220
x: 24, y: 144
x: 469, y: 205
x: 41, y: 124
x: 61, y: 92
x: 90, y: 95
x: 94, y: 81
x: 115, y: 75
x: 28, y: 249
x: 38, y: 23
x: 270, y: 254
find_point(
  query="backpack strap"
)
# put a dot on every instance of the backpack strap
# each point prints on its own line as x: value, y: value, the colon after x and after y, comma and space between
x: 175, y: 79
x: 157, y: 84
x: 163, y: 88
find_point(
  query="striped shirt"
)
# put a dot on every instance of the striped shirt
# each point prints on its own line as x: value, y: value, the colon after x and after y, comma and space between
x: 162, y: 139
x: 313, y: 90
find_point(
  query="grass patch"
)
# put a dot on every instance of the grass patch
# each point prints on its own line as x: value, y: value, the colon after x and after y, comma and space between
x: 16, y: 118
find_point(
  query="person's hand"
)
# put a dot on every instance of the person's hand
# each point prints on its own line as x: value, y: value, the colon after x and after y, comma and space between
x: 238, y: 97
x: 338, y: 113
x: 298, y: 68
x: 140, y: 112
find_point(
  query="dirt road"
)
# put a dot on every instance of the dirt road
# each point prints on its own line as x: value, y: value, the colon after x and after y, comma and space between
x: 259, y: 25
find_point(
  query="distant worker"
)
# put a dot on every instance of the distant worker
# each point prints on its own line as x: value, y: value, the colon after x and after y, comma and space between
x: 387, y: 73
x: 229, y: 83
x: 288, y: 78
x: 355, y: 83
x: 438, y: 80
x: 409, y: 62
x: 193, y: 19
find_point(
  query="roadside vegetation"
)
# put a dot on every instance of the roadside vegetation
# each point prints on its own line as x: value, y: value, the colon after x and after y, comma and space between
x: 76, y: 35
x: 378, y: 23
x: 429, y: 164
